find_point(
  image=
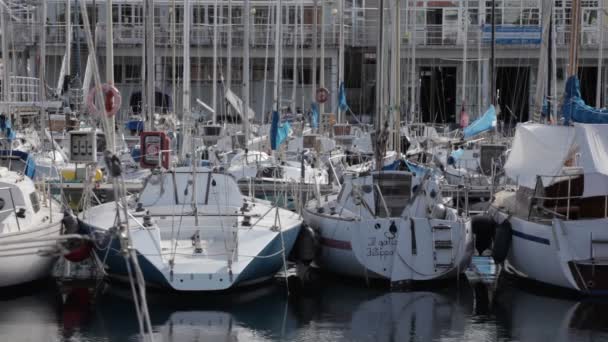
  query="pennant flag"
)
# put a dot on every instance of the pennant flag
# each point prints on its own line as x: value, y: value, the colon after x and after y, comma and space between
x: 314, y: 119
x: 278, y: 132
x: 464, y: 117
x: 342, y: 98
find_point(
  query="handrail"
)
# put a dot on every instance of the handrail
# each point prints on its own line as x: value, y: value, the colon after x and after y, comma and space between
x: 568, y: 198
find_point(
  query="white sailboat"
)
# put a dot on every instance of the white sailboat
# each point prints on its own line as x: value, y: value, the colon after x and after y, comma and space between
x: 390, y: 225
x: 210, y: 239
x: 30, y: 223
x: 551, y: 228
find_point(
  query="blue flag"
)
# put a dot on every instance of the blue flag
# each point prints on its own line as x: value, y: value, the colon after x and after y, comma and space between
x: 314, y: 120
x: 342, y: 98
x: 278, y: 132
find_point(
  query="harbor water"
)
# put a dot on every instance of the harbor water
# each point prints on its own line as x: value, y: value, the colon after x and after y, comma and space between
x: 339, y: 310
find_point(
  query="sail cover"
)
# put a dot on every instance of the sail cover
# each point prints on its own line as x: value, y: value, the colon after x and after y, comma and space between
x: 485, y: 123
x: 543, y: 150
x: 574, y: 108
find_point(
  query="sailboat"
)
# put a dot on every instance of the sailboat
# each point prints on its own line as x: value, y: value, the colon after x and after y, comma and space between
x: 551, y: 227
x: 191, y: 227
x: 390, y: 225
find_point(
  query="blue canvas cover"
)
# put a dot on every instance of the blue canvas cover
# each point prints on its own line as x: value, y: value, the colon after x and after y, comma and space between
x: 483, y: 124
x: 278, y: 132
x: 574, y: 108
x: 135, y: 125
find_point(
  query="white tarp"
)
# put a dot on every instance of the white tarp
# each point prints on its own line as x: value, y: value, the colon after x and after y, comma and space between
x: 542, y: 150
x: 237, y: 104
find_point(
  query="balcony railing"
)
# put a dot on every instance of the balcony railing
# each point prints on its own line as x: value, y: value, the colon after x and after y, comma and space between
x: 357, y: 36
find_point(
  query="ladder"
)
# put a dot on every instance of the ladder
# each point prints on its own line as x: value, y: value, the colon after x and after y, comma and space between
x: 443, y: 249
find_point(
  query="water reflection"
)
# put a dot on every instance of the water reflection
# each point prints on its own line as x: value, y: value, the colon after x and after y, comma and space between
x: 335, y: 312
x: 341, y: 312
x: 533, y: 315
x: 30, y: 314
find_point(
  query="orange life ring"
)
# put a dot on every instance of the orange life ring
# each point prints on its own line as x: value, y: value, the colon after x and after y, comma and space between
x: 111, y: 97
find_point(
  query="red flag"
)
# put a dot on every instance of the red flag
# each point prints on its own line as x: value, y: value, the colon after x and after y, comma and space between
x: 464, y: 117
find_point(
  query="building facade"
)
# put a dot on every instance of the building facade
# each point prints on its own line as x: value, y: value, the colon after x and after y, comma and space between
x: 434, y: 36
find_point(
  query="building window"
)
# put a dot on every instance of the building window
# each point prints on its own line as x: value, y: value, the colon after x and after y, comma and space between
x: 117, y: 73
x: 132, y: 73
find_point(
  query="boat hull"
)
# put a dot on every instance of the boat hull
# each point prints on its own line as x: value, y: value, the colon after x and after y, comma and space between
x: 395, y: 249
x: 157, y: 272
x: 559, y: 253
x: 22, y: 261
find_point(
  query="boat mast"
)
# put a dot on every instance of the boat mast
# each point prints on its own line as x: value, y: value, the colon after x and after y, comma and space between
x: 68, y: 40
x: 396, y: 76
x: 295, y: 60
x: 187, y: 115
x: 574, y: 38
x: 549, y: 62
x: 543, y: 74
x: 277, y: 59
x: 246, y: 72
x: 110, y: 59
x: 322, y: 71
x: 598, y: 85
x: 465, y: 50
x: 215, y: 38
x: 269, y: 17
x: 149, y: 40
x: 229, y: 46
x: 341, y: 54
x: 379, y: 73
x: 42, y: 66
x: 5, y: 54
x: 492, y: 55
x: 315, y: 43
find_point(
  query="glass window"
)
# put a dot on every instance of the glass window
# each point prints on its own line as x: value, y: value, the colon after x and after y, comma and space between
x: 117, y: 73
x: 392, y: 190
x: 512, y: 16
x: 498, y: 18
x: 473, y: 16
x: 198, y: 15
x: 132, y: 73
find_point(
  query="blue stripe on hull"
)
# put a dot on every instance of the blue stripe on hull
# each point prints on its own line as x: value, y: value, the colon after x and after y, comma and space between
x: 531, y: 237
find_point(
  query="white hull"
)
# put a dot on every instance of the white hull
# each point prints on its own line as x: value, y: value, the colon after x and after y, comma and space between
x: 559, y: 253
x: 22, y: 261
x: 368, y: 249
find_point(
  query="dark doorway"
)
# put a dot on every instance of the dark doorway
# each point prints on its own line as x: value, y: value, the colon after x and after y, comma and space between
x: 513, y: 85
x: 438, y: 94
x: 588, y: 78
